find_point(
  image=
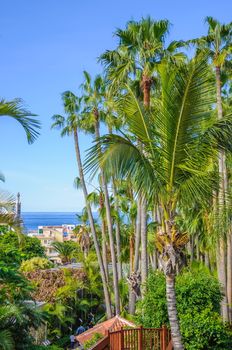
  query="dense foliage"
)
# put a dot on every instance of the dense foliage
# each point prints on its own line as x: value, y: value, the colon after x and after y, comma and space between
x: 14, y: 248
x: 36, y: 263
x: 17, y: 311
x: 163, y: 189
x: 198, y: 303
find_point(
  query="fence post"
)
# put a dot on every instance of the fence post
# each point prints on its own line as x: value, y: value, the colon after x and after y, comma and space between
x: 164, y: 337
x: 122, y: 338
x: 140, y: 338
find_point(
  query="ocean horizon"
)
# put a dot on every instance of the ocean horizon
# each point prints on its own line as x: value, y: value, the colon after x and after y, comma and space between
x: 31, y: 220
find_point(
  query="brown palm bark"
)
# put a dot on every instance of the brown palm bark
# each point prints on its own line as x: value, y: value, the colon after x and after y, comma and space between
x: 146, y: 85
x: 109, y: 224
x: 92, y: 227
x: 221, y: 251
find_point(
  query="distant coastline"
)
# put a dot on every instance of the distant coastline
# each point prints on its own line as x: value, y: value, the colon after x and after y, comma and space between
x: 32, y: 220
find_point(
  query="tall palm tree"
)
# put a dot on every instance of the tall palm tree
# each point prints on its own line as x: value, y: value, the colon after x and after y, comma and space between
x: 71, y: 125
x: 93, y: 98
x: 141, y: 49
x: 218, y: 42
x: 179, y: 134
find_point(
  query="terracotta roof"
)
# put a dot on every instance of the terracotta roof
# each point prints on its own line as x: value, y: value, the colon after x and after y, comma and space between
x: 112, y: 324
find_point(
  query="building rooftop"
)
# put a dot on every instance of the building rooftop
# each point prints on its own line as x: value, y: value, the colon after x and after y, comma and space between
x: 103, y: 328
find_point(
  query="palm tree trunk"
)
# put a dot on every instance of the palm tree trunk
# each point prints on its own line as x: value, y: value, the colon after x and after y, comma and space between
x: 146, y: 83
x: 92, y: 226
x: 110, y: 227
x: 117, y: 231
x: 132, y: 296
x: 172, y: 313
x: 207, y: 262
x: 104, y: 248
x: 229, y: 274
x: 222, y: 203
x: 221, y: 263
x: 137, y: 235
x: 144, y: 258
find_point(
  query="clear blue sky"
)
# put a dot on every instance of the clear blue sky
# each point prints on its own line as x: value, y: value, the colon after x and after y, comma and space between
x: 45, y: 46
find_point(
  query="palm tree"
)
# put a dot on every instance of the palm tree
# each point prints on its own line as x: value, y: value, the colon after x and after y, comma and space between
x: 83, y: 239
x: 179, y: 134
x: 141, y: 49
x: 7, y: 214
x: 93, y: 96
x: 218, y: 43
x: 71, y: 126
x: 8, y: 315
x: 65, y: 251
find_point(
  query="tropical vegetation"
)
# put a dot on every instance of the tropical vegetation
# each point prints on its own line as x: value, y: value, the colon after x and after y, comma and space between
x: 160, y: 249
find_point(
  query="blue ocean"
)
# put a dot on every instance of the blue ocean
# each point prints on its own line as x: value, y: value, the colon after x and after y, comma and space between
x: 32, y: 220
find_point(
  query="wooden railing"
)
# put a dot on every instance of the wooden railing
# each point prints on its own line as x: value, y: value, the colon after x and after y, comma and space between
x: 136, y: 339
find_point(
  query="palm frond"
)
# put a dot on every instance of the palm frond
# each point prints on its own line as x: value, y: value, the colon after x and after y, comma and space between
x: 16, y: 110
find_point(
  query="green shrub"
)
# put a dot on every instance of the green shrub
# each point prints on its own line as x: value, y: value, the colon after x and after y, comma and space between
x: 34, y: 264
x: 91, y: 342
x: 198, y: 303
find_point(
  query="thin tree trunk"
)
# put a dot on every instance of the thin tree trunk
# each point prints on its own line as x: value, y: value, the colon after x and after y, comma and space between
x: 207, y: 263
x: 172, y: 313
x: 144, y: 259
x: 110, y: 227
x: 92, y: 226
x: 117, y: 231
x: 132, y: 296
x: 137, y: 235
x: 221, y: 263
x: 197, y: 248
x: 229, y: 274
x: 104, y: 248
x: 104, y: 236
x: 222, y: 203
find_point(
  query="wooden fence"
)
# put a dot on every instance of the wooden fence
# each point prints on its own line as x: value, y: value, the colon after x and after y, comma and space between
x: 136, y: 339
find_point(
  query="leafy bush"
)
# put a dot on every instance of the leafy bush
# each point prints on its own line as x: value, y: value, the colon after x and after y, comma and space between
x: 91, y: 342
x: 14, y: 248
x: 198, y: 303
x: 34, y: 264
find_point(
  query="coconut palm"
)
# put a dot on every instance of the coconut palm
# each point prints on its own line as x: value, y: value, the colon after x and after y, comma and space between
x: 93, y: 98
x: 179, y: 139
x: 71, y: 125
